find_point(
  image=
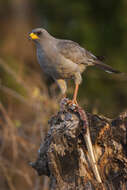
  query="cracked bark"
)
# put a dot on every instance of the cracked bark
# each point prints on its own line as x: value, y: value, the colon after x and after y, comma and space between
x: 63, y: 156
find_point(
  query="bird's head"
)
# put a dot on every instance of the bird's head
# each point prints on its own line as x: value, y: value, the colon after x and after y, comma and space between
x: 38, y: 34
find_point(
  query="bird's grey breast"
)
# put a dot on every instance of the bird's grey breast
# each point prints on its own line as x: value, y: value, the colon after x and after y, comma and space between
x: 54, y: 63
x: 46, y: 59
x: 42, y: 58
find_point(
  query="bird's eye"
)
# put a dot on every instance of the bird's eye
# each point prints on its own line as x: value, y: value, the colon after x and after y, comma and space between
x: 38, y: 33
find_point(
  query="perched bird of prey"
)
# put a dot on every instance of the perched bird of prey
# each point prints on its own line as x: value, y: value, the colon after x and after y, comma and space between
x: 64, y: 59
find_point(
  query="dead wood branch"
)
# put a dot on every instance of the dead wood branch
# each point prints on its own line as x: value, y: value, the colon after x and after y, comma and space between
x: 65, y: 158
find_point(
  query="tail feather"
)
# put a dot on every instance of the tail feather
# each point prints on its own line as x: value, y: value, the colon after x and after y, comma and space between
x: 105, y: 67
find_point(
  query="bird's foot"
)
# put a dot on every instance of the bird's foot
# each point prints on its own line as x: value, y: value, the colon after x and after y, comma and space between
x: 66, y: 102
x: 72, y: 102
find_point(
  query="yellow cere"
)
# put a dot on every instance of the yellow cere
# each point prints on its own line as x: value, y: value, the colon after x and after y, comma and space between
x: 34, y: 36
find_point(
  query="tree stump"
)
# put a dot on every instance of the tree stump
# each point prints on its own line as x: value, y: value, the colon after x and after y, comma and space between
x: 64, y: 155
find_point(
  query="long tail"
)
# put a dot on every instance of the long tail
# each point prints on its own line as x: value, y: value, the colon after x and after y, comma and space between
x: 105, y: 67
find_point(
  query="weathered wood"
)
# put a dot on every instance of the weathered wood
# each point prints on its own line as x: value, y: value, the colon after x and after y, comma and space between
x: 64, y: 157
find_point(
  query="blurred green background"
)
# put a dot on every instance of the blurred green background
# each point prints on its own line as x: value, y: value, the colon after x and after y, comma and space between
x: 28, y: 98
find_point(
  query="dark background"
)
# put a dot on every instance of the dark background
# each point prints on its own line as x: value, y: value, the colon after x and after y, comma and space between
x: 28, y: 98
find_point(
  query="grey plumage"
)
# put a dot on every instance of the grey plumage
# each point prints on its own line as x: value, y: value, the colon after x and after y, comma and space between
x: 64, y: 59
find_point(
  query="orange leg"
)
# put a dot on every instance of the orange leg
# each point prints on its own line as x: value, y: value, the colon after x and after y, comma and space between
x: 75, y: 94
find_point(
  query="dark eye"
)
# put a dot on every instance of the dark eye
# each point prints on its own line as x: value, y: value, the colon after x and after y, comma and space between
x: 38, y: 33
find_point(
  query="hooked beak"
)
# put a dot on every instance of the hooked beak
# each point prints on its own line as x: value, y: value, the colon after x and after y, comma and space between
x: 33, y: 36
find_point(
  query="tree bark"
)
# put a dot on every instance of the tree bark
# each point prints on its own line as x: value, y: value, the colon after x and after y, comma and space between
x: 64, y: 155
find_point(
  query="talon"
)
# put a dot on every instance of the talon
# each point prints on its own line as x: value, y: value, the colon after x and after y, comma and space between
x: 72, y: 102
x: 75, y: 102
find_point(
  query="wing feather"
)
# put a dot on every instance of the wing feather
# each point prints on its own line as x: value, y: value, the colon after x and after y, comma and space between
x: 73, y: 51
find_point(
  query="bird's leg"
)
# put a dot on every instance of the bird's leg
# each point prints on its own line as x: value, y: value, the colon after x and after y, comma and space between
x: 74, y: 100
x: 75, y: 94
x: 78, y: 80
